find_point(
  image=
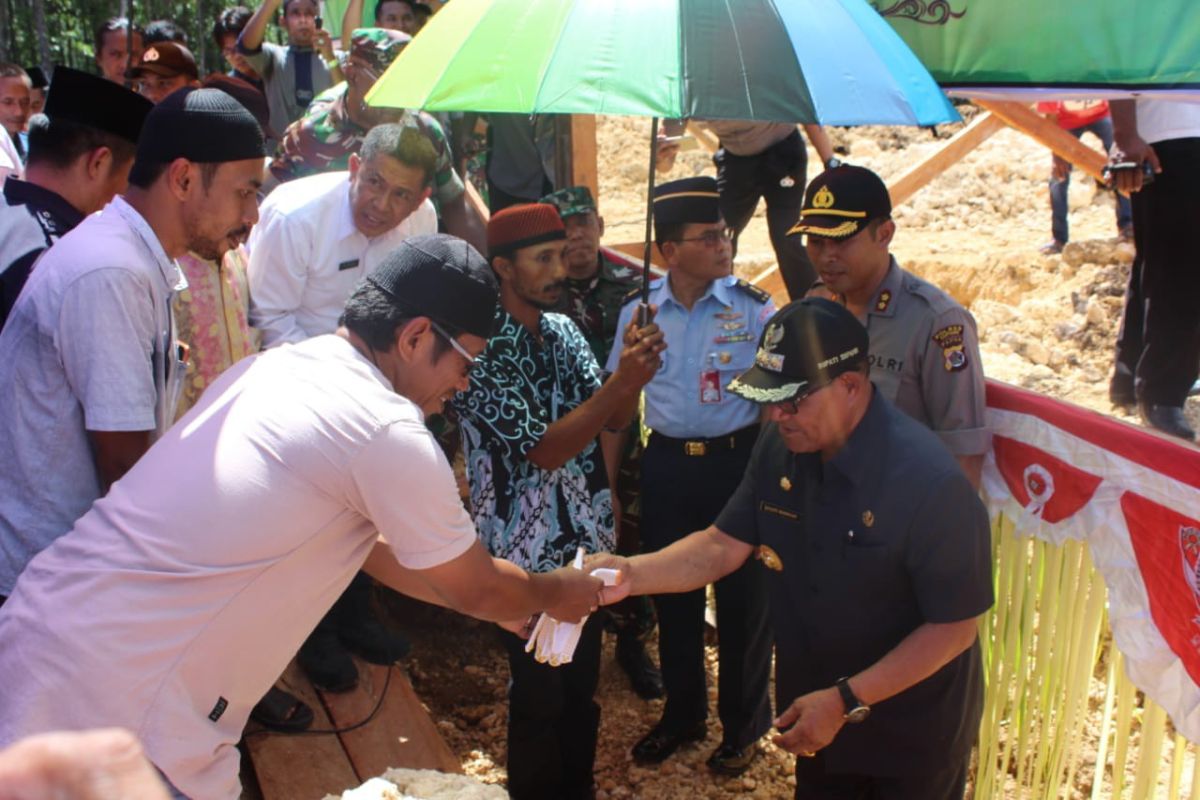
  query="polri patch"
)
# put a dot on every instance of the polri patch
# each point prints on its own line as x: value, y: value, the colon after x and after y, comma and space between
x: 950, y: 339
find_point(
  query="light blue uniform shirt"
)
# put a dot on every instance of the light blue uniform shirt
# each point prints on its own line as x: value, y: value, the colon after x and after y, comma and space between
x: 717, y: 339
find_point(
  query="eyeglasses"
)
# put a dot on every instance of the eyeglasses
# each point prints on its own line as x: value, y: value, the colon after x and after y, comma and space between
x: 792, y: 405
x: 458, y: 348
x: 712, y: 238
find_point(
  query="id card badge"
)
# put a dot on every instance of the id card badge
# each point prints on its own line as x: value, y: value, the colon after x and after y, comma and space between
x: 710, y: 386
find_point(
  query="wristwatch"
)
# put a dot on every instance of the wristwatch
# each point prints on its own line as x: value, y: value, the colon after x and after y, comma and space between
x: 833, y: 161
x: 856, y: 710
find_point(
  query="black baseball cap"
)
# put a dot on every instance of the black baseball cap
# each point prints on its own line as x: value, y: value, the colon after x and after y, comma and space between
x: 841, y: 201
x: 805, y: 346
x: 441, y: 277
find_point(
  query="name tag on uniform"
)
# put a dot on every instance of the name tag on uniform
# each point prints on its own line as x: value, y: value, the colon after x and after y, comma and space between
x: 351, y: 264
x: 771, y: 508
x: 710, y: 387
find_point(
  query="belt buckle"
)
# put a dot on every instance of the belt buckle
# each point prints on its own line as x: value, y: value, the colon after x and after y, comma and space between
x: 695, y: 448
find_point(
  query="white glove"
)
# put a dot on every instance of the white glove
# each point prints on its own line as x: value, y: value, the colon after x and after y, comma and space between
x: 554, y: 642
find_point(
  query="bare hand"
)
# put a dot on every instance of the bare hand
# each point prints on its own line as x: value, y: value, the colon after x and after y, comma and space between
x: 619, y: 591
x: 577, y: 595
x: 1132, y: 149
x: 520, y: 627
x: 102, y: 764
x: 814, y: 718
x: 1060, y: 168
x: 323, y: 43
x: 665, y: 152
x: 640, y: 351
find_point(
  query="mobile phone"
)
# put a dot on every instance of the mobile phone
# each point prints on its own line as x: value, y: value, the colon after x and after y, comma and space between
x: 320, y: 23
x: 684, y: 141
x: 1110, y: 170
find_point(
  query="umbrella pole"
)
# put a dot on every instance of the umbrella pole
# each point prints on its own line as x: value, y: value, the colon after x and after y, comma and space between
x: 644, y: 311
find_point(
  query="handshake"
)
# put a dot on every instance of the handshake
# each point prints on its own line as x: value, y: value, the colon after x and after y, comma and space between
x: 553, y: 635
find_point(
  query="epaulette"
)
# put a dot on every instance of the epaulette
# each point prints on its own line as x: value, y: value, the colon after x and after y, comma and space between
x: 761, y: 295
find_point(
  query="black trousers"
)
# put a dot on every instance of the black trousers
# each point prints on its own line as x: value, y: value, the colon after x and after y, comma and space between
x: 682, y: 494
x: 814, y: 783
x: 1159, y: 339
x: 553, y: 720
x: 744, y: 180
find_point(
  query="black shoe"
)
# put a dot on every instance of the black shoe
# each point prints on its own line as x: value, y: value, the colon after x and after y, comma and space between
x: 633, y: 658
x: 327, y: 663
x: 282, y: 711
x: 373, y: 641
x: 1168, y: 419
x: 658, y: 745
x: 730, y: 760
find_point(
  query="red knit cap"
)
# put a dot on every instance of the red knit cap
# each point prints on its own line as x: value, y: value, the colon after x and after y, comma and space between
x: 523, y: 226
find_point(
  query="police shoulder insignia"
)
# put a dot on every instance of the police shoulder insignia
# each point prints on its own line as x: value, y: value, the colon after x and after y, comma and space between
x: 950, y: 339
x: 761, y: 295
x: 769, y: 558
x: 885, y: 300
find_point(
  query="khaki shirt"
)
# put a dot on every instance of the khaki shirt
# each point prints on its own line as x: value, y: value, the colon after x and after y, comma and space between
x: 925, y: 359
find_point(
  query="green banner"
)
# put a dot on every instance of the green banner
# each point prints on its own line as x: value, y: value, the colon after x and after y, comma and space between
x: 1053, y: 43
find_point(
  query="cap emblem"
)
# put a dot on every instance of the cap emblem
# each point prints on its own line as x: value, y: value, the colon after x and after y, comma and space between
x: 765, y: 358
x: 151, y: 54
x: 823, y: 198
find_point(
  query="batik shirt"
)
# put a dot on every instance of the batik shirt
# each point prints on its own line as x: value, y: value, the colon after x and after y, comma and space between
x: 323, y: 139
x: 594, y: 304
x: 534, y: 517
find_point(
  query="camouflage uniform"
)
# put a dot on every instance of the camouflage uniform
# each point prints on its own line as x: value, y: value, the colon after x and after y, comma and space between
x: 323, y: 139
x: 594, y: 305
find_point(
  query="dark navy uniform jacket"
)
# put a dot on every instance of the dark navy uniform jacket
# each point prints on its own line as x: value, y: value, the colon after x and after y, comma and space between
x: 861, y: 551
x: 31, y: 219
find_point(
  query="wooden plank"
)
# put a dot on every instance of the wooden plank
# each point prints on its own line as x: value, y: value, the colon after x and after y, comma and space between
x: 635, y: 250
x: 475, y: 203
x: 1031, y: 123
x: 966, y: 140
x: 584, y: 171
x: 290, y: 767
x: 402, y: 734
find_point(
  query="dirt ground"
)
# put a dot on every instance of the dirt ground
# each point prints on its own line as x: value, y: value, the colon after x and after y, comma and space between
x: 1045, y: 323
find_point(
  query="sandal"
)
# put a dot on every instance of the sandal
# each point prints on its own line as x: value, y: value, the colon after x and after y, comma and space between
x: 281, y: 711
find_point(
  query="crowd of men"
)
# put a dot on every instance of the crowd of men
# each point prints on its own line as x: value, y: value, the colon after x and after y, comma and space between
x: 234, y: 311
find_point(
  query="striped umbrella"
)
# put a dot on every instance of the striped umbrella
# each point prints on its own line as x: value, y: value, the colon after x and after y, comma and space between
x: 835, y: 62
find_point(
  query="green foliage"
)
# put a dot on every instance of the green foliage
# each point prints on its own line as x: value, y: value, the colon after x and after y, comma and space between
x: 69, y: 26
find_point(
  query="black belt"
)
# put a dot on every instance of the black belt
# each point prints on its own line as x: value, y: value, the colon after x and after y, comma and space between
x: 703, y: 447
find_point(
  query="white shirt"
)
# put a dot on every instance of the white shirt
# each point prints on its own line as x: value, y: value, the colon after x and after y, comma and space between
x: 1160, y: 119
x: 10, y: 159
x: 89, y: 346
x: 306, y: 256
x: 176, y: 602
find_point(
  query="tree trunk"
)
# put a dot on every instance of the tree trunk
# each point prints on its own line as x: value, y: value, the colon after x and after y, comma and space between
x: 43, y: 40
x: 200, y: 45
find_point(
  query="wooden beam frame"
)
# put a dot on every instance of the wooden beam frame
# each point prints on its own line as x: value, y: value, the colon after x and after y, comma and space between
x: 1029, y: 122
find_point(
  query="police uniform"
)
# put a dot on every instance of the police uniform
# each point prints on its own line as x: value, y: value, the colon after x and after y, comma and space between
x: 33, y: 217
x: 925, y: 359
x: 861, y: 549
x: 701, y: 439
x: 924, y: 347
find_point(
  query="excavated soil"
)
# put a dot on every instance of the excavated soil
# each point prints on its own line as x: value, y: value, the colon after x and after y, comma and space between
x: 1045, y: 323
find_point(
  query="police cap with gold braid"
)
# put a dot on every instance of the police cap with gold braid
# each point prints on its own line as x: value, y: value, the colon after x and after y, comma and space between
x: 842, y: 201
x: 686, y: 200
